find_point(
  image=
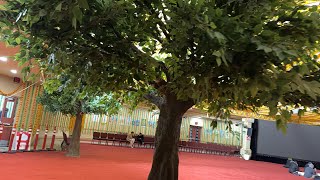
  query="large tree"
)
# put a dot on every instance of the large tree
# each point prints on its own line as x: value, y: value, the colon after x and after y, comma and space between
x: 221, y: 55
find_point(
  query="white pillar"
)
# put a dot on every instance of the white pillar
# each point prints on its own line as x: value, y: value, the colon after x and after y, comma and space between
x: 245, y: 151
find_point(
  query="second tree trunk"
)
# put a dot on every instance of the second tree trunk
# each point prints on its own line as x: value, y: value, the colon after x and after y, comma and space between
x: 74, y: 147
x: 165, y: 160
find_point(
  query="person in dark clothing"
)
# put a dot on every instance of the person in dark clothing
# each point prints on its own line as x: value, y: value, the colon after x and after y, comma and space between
x: 140, y: 138
x: 287, y: 163
x: 293, y: 167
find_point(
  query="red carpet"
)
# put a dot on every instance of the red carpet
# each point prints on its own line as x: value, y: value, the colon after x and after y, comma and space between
x: 120, y: 163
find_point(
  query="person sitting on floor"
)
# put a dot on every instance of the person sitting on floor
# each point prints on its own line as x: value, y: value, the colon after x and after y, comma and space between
x: 293, y: 167
x: 288, y: 163
x: 140, y: 138
x: 131, y: 139
x: 309, y: 171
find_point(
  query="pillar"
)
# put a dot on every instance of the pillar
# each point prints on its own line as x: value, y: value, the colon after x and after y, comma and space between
x: 245, y: 151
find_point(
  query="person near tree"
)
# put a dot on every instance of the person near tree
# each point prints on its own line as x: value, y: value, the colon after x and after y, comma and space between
x: 140, y: 138
x: 131, y: 139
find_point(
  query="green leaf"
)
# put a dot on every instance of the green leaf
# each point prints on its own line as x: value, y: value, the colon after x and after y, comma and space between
x: 286, y: 114
x: 217, y: 53
x: 74, y: 22
x: 257, y: 29
x: 18, y: 40
x: 273, y: 111
x: 314, y: 8
x: 221, y: 38
x: 3, y: 7
x: 42, y: 12
x: 84, y: 4
x: 224, y: 60
x: 218, y: 59
x: 292, y: 52
x: 214, y: 124
x: 253, y: 90
x: 206, y: 19
x: 267, y: 33
x: 212, y: 25
x: 264, y: 48
x: 303, y: 69
x: 77, y: 13
x: 59, y: 7
x: 281, y: 126
x: 219, y: 12
x: 301, y: 112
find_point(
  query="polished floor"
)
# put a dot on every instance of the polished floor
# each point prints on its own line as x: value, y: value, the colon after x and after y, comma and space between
x: 121, y: 163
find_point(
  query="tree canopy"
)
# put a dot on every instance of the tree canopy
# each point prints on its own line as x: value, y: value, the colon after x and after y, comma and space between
x: 71, y: 98
x: 228, y: 54
x: 215, y: 54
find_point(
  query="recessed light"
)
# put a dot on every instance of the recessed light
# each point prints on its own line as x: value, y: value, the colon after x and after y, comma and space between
x: 316, y: 3
x: 13, y: 71
x: 4, y: 59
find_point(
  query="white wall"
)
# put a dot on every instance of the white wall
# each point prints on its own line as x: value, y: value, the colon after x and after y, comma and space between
x: 196, y: 122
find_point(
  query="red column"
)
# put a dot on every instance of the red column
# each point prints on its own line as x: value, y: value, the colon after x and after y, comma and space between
x: 53, y: 138
x: 13, y: 133
x: 36, y: 139
x: 20, y: 136
x: 1, y: 130
x: 28, y: 140
x: 45, y: 139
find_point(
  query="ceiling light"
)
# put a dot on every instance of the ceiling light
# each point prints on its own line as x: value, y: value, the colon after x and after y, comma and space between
x: 13, y: 71
x: 4, y: 59
x: 316, y: 3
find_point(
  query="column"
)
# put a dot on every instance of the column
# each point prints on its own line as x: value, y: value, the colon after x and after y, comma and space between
x: 245, y: 151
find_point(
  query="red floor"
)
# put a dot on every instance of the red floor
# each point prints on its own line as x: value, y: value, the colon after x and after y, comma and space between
x: 119, y: 163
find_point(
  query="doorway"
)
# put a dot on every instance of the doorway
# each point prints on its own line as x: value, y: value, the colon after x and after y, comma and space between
x: 195, y: 133
x: 7, y: 114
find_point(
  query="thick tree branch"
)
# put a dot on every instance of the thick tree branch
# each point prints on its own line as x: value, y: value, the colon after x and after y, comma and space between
x: 155, y: 99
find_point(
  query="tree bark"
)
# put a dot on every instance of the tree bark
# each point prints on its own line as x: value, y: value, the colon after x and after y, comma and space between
x: 74, y: 147
x: 165, y: 160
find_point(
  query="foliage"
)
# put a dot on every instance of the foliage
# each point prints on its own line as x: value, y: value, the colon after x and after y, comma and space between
x: 70, y: 98
x: 220, y: 55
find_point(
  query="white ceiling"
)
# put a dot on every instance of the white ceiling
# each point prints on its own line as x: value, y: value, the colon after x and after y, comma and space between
x: 11, y: 64
x: 5, y: 67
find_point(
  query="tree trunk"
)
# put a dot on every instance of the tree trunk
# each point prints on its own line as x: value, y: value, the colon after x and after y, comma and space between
x: 165, y: 159
x: 74, y: 147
